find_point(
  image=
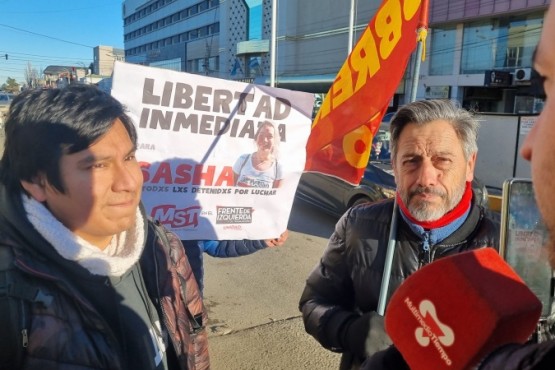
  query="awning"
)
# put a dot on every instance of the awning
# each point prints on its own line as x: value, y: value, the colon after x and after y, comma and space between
x: 308, y: 83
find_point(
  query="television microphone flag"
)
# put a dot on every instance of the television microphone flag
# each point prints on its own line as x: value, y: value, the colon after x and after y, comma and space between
x: 342, y: 131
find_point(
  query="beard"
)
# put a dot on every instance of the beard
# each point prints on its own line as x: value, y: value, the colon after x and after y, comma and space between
x: 426, y: 211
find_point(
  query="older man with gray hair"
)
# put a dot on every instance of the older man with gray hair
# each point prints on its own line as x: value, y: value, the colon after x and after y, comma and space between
x: 433, y: 148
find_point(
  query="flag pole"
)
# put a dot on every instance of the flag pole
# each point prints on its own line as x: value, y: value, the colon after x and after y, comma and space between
x: 351, y: 27
x: 273, y: 45
x: 386, y: 277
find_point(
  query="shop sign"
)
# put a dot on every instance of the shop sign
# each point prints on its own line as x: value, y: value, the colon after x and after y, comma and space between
x: 438, y: 92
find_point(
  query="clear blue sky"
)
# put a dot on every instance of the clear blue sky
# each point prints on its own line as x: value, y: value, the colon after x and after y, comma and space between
x: 55, y: 32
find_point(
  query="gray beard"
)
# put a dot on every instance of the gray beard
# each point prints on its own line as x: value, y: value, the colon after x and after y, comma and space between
x: 425, y: 212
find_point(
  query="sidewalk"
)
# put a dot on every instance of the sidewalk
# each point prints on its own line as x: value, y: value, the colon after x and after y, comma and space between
x: 252, y: 301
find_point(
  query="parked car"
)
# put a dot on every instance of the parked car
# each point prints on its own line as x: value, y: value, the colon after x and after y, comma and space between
x: 5, y: 98
x: 5, y: 101
x: 335, y: 196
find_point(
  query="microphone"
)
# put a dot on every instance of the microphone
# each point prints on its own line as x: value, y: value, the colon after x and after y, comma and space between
x: 453, y: 312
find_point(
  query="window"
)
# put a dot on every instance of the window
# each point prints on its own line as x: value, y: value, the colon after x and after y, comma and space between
x: 505, y: 43
x: 193, y: 65
x: 442, y: 50
x: 514, y: 57
x: 255, y: 19
x: 213, y: 28
x: 479, y: 46
x: 523, y: 34
x: 173, y: 64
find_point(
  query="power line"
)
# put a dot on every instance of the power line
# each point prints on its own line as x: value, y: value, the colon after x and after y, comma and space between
x: 63, y: 10
x: 46, y: 36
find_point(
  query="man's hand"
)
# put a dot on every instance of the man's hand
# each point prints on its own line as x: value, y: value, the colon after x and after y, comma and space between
x: 277, y: 242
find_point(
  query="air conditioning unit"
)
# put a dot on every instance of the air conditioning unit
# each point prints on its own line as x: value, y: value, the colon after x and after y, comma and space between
x: 522, y: 74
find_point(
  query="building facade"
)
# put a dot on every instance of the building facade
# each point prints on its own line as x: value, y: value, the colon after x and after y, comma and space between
x: 182, y: 35
x: 478, y: 52
x: 60, y: 76
x: 104, y: 58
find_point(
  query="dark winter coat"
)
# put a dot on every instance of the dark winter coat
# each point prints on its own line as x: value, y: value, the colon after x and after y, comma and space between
x: 67, y: 332
x: 345, y: 286
x: 530, y: 356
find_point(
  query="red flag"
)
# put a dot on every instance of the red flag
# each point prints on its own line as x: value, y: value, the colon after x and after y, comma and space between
x: 342, y: 132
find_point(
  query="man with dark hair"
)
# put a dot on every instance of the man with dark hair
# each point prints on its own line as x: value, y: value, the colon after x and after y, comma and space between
x: 433, y: 151
x: 96, y: 284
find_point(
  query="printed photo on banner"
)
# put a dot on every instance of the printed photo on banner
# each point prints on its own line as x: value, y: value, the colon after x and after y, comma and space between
x: 221, y: 159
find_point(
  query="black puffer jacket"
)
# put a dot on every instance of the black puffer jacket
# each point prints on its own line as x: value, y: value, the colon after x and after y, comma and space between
x: 531, y: 356
x: 65, y: 331
x: 345, y: 286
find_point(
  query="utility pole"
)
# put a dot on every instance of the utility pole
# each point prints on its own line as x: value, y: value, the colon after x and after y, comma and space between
x: 273, y: 47
x: 351, y: 26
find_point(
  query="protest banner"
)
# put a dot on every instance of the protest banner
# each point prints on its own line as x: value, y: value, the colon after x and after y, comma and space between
x: 204, y: 144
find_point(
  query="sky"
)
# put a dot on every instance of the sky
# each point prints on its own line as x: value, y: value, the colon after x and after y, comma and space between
x: 55, y: 32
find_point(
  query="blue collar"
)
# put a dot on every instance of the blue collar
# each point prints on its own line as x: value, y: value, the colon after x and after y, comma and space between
x: 434, y: 236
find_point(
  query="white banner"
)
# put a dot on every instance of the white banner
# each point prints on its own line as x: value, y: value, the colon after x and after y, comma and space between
x: 220, y: 159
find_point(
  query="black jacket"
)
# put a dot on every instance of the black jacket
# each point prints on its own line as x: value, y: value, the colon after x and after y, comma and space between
x: 67, y: 331
x: 531, y: 356
x: 345, y: 286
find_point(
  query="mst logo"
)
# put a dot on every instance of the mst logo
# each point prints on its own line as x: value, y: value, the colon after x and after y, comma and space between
x: 431, y: 329
x: 168, y: 214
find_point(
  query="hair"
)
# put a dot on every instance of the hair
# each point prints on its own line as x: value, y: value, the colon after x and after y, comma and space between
x: 277, y: 137
x: 43, y: 125
x: 426, y: 111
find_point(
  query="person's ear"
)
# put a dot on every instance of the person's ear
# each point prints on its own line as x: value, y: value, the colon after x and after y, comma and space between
x: 470, y: 165
x: 36, y: 188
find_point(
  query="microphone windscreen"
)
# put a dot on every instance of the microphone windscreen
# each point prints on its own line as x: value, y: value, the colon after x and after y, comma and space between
x: 453, y: 312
